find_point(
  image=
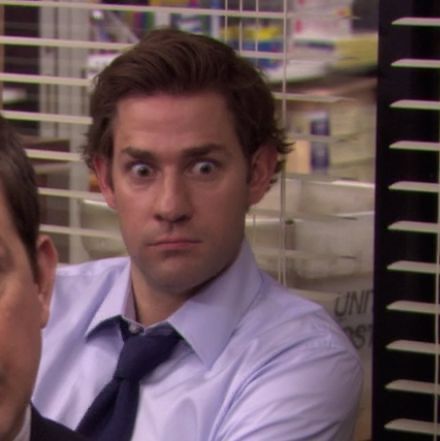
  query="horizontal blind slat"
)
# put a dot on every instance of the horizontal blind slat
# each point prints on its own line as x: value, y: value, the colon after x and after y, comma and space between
x: 77, y: 231
x: 417, y: 63
x: 61, y: 43
x: 416, y: 105
x: 422, y: 187
x: 416, y: 146
x: 415, y: 227
x: 414, y: 267
x: 414, y: 426
x: 53, y: 155
x: 70, y: 194
x: 298, y: 254
x: 417, y: 21
x: 414, y: 307
x: 46, y: 117
x: 412, y: 346
x: 44, y: 79
x: 281, y: 15
x: 420, y: 387
x: 308, y: 97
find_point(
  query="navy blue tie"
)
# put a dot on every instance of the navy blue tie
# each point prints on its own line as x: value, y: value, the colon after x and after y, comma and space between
x: 112, y: 414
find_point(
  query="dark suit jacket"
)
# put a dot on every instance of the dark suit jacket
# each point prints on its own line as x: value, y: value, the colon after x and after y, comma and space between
x: 43, y: 429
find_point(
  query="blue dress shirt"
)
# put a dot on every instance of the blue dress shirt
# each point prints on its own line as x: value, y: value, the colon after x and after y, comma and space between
x: 256, y: 362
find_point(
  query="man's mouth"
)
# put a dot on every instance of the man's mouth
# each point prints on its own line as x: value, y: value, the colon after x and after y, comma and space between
x: 174, y: 243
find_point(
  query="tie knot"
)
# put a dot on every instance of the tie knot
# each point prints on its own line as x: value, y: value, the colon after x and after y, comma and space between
x: 142, y: 353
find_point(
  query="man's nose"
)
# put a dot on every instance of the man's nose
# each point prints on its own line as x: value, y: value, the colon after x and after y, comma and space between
x: 173, y: 201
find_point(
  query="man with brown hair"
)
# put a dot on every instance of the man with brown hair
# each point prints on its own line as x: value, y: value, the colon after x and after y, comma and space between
x: 27, y: 268
x: 186, y: 339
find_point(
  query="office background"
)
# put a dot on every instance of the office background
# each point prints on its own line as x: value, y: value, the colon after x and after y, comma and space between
x: 350, y: 216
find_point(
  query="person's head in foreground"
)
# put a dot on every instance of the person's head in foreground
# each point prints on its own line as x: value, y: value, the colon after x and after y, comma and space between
x: 27, y: 264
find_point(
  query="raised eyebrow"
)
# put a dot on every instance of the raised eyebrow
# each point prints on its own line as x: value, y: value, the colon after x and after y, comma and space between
x: 191, y: 152
x: 138, y: 153
x: 202, y: 150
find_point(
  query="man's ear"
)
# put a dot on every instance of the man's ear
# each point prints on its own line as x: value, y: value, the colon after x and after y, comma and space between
x: 262, y: 169
x: 102, y: 169
x: 47, y: 259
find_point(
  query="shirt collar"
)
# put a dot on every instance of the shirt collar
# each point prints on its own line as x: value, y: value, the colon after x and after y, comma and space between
x: 117, y: 302
x: 207, y: 320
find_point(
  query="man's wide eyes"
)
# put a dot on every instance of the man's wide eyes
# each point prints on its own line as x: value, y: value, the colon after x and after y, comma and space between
x: 198, y: 168
x: 203, y: 167
x: 141, y: 170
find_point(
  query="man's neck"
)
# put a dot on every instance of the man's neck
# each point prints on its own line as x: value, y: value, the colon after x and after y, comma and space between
x: 153, y: 306
x: 150, y: 311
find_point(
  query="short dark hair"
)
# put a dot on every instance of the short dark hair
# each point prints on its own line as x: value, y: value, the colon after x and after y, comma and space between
x: 17, y: 179
x: 178, y: 63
